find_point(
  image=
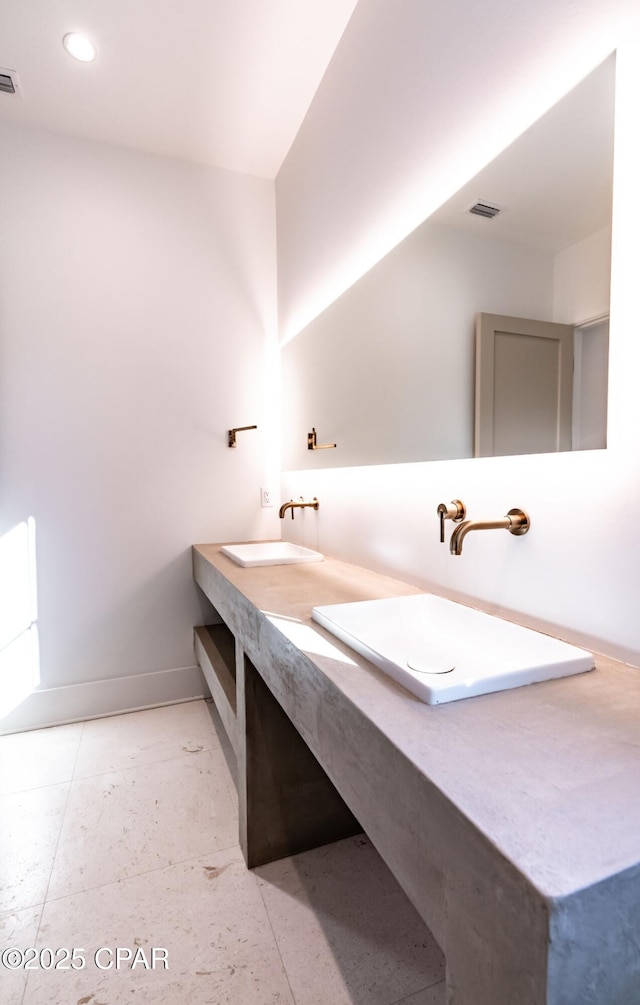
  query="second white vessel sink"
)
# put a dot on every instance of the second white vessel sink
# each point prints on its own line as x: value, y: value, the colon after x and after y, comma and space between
x: 270, y: 553
x: 442, y: 651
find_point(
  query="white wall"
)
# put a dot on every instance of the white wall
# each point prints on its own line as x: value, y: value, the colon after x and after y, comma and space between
x: 411, y: 106
x: 137, y: 316
x: 582, y: 279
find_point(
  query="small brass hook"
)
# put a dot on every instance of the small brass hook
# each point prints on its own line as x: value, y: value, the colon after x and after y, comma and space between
x: 312, y: 442
x: 238, y: 429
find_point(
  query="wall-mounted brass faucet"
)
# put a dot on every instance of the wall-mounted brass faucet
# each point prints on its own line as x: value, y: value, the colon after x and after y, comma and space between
x: 516, y: 522
x: 312, y: 442
x: 456, y: 512
x: 300, y: 504
x: 238, y: 429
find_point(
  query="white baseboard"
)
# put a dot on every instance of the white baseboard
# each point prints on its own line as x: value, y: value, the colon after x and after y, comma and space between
x: 95, y: 699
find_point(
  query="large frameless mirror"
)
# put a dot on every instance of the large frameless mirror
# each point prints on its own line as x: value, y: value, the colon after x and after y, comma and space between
x: 435, y: 354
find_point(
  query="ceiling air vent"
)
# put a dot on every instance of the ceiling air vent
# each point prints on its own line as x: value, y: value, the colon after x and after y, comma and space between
x: 485, y: 209
x: 9, y: 82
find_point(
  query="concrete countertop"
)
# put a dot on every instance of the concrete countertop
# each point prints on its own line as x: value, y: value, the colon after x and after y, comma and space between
x: 549, y: 773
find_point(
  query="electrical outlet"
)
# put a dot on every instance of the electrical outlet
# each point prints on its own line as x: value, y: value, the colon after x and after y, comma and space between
x: 266, y: 497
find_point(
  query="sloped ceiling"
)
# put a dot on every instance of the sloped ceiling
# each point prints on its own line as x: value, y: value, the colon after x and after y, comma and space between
x: 219, y: 82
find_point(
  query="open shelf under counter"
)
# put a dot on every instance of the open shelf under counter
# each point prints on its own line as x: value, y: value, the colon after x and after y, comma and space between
x: 215, y: 649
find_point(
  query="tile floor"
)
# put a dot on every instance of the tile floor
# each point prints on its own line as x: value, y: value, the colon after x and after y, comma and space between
x: 123, y: 833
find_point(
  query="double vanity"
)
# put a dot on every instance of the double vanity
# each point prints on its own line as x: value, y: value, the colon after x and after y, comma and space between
x: 511, y: 819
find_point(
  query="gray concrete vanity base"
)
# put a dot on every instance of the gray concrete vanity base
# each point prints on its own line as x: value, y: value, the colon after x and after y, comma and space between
x: 286, y: 802
x: 511, y: 820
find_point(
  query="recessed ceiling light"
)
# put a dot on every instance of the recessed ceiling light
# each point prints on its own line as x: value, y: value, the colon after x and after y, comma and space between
x: 79, y: 46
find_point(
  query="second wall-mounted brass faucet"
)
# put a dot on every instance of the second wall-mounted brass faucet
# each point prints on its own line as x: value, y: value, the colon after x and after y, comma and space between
x: 516, y: 522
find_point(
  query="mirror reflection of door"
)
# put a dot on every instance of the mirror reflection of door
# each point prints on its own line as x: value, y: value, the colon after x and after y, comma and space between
x: 540, y: 386
x: 524, y: 386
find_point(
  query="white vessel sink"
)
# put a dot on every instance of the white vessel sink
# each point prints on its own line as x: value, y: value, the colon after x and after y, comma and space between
x: 270, y: 553
x: 442, y: 651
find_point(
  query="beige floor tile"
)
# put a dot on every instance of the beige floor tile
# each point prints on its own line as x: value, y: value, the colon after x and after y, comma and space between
x: 346, y: 931
x: 148, y: 856
x: 18, y: 930
x: 435, y: 995
x: 124, y: 823
x: 207, y: 914
x: 31, y: 826
x: 38, y: 757
x: 156, y: 734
